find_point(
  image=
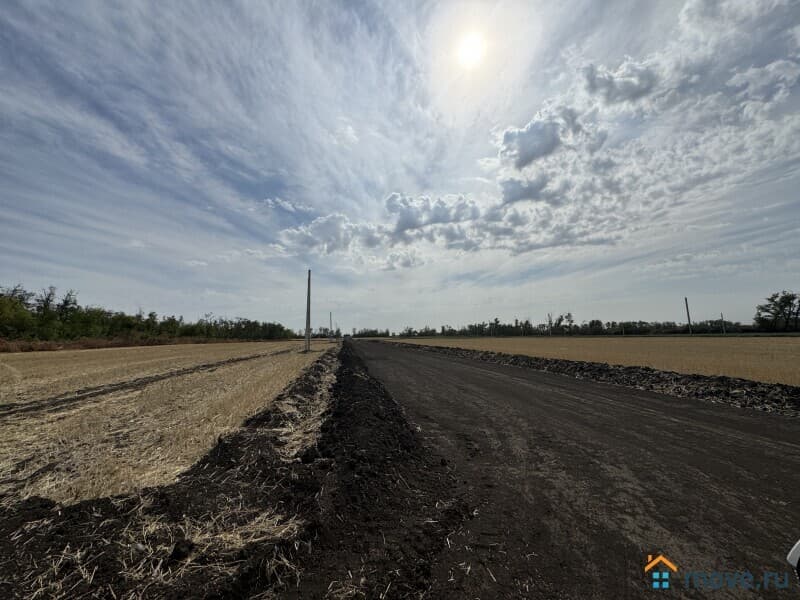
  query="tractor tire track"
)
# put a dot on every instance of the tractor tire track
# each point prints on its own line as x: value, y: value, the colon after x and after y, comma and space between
x: 66, y: 401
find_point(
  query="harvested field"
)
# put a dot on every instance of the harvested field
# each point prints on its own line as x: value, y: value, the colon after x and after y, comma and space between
x: 767, y: 359
x: 326, y: 493
x: 26, y: 376
x: 83, y: 424
x: 387, y: 471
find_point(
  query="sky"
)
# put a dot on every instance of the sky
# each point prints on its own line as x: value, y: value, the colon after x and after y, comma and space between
x: 430, y: 162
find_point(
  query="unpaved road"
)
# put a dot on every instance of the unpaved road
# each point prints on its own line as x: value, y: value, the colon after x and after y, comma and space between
x: 575, y: 482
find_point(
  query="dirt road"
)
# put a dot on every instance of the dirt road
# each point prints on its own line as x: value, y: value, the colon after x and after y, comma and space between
x: 573, y: 483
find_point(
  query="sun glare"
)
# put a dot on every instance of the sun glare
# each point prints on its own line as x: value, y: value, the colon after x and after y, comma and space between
x: 471, y: 50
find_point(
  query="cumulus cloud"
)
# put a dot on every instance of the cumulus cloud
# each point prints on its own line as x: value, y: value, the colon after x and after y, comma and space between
x: 627, y: 83
x: 406, y: 259
x: 540, y: 137
x: 558, y: 126
x: 643, y: 137
x: 415, y: 213
x: 515, y: 190
x: 768, y: 82
x: 328, y: 234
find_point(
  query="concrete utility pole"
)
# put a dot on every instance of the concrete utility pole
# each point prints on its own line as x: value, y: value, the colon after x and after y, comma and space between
x: 722, y: 318
x: 308, y: 314
x: 330, y: 329
x: 688, y: 317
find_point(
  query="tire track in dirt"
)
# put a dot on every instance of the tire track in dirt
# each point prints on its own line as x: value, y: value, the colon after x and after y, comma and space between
x: 65, y: 401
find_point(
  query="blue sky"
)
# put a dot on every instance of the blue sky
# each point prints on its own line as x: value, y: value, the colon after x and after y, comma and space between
x: 430, y: 162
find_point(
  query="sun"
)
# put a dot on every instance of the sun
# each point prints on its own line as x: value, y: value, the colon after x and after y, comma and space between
x: 471, y: 50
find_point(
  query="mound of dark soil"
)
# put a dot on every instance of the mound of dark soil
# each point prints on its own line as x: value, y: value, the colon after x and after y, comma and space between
x: 364, y: 510
x: 388, y: 504
x: 742, y: 393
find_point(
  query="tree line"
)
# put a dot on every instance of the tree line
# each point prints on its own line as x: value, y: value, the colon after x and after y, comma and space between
x: 565, y: 325
x: 45, y: 315
x: 780, y: 313
x: 371, y: 332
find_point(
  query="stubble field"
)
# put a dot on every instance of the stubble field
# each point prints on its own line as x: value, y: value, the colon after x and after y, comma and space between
x: 767, y: 359
x: 89, y: 423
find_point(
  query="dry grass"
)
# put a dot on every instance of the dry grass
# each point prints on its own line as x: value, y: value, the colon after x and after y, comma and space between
x: 130, y: 438
x: 29, y: 375
x: 769, y: 359
x: 141, y: 548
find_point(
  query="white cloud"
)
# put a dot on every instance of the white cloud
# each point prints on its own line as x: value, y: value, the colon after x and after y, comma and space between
x: 271, y: 137
x: 515, y: 190
x: 772, y: 81
x: 540, y: 137
x: 628, y: 82
x: 287, y: 205
x: 405, y: 259
x: 415, y: 213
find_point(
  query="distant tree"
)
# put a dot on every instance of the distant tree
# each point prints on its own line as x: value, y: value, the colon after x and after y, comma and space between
x: 16, y: 319
x: 780, y: 312
x: 595, y: 327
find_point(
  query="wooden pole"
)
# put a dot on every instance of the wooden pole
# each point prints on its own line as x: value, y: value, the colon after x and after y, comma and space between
x: 308, y: 314
x: 688, y: 317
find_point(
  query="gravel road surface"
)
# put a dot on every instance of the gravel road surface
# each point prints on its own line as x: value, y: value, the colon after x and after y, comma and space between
x: 574, y: 483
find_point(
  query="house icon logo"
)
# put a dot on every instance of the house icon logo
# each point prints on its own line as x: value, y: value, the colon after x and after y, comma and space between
x: 660, y: 568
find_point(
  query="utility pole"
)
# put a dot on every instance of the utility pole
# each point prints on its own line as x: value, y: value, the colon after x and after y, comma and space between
x: 688, y: 317
x: 330, y: 328
x: 308, y: 314
x: 722, y: 318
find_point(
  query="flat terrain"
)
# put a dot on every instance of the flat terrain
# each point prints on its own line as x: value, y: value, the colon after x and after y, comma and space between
x: 768, y: 359
x: 573, y: 483
x: 87, y: 423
